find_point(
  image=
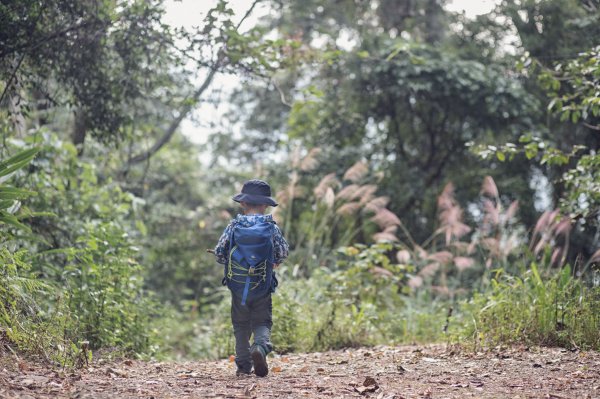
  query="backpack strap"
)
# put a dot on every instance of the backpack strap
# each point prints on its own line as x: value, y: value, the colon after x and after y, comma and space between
x: 230, y: 266
x: 228, y: 273
x: 246, y: 289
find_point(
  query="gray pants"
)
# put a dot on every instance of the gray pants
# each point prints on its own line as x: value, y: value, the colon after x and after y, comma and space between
x: 256, y: 317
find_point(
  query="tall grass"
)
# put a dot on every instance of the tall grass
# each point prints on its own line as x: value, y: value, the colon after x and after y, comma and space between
x: 556, y: 311
x: 466, y: 283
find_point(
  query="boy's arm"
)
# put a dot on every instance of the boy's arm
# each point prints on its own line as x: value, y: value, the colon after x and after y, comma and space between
x: 222, y: 247
x: 280, y: 247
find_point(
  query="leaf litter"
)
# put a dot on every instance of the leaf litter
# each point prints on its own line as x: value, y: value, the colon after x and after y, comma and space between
x: 382, y: 372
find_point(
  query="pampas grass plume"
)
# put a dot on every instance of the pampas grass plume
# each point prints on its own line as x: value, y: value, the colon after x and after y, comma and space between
x: 356, y: 172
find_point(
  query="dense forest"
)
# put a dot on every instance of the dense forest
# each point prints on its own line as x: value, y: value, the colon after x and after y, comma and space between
x: 438, y: 175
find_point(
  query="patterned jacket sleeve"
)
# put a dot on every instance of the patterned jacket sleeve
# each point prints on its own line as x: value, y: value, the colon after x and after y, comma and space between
x: 280, y: 246
x: 222, y: 248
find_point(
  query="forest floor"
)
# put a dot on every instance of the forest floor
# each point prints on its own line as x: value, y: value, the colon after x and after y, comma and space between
x: 432, y: 371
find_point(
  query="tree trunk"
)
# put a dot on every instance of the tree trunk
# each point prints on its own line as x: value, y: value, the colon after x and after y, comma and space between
x: 434, y: 31
x: 79, y: 131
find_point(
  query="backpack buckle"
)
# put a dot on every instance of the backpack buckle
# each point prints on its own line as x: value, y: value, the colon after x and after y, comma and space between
x: 251, y: 270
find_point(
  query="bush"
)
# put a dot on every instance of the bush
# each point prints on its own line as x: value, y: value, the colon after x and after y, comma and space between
x: 557, y: 311
x: 70, y: 281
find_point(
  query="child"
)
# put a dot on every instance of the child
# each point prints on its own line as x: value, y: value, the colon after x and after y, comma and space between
x: 250, y: 248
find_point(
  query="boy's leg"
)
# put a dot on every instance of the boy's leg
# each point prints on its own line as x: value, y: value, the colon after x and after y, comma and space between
x: 261, y: 317
x: 242, y: 329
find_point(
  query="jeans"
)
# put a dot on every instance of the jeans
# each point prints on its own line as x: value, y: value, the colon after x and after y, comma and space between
x: 254, y: 317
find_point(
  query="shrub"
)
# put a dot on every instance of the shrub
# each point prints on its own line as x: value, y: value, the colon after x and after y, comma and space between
x: 558, y: 310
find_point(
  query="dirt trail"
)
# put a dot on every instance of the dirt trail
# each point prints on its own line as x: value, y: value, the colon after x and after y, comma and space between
x: 380, y: 372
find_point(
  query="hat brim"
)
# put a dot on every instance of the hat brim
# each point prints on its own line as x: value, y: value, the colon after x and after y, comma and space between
x: 255, y: 199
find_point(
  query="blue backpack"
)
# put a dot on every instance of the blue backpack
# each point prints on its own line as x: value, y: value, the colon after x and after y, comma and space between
x: 249, y: 270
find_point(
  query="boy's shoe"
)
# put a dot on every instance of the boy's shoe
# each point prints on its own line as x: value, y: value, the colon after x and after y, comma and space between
x: 259, y: 359
x: 242, y: 373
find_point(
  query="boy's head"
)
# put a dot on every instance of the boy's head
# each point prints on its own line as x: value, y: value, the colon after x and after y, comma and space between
x: 255, y: 197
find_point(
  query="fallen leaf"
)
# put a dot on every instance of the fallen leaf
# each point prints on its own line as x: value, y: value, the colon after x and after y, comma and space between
x: 23, y: 366
x: 248, y: 390
x: 28, y: 382
x: 231, y: 358
x: 304, y: 369
x: 59, y: 374
x: 276, y: 369
x: 363, y: 390
x: 189, y: 374
x: 460, y: 385
x: 116, y: 372
x: 369, y: 381
x: 338, y: 362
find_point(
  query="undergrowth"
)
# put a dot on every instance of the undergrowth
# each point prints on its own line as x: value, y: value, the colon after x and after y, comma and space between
x: 350, y: 305
x: 558, y: 310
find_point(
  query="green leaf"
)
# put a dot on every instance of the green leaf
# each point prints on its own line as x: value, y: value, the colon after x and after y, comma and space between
x: 7, y: 218
x: 565, y: 277
x: 500, y: 155
x: 531, y: 150
x: 12, y: 193
x: 18, y: 161
x: 536, y: 274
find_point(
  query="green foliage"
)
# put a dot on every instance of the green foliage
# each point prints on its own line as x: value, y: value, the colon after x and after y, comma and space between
x: 553, y: 29
x: 10, y: 196
x: 554, y: 310
x: 18, y: 292
x: 104, y: 290
x: 367, y: 275
x: 583, y: 188
x: 287, y: 334
x: 572, y: 91
x: 177, y: 221
x: 99, y: 58
x: 356, y: 302
x: 75, y: 285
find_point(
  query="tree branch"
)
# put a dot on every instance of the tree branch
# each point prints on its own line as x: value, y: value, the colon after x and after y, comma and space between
x: 29, y: 47
x: 281, y: 93
x: 12, y: 76
x: 188, y: 103
x: 254, y: 3
x: 186, y: 109
x: 593, y: 127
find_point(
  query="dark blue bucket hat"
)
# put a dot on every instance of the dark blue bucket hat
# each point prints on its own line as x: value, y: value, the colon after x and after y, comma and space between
x: 256, y: 192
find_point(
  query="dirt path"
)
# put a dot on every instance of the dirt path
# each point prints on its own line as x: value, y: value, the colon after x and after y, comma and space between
x: 380, y: 372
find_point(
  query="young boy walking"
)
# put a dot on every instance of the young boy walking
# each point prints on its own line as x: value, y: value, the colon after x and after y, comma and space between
x: 251, y: 247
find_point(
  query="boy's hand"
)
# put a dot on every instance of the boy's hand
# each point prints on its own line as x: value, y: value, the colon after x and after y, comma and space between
x: 210, y: 251
x: 275, y: 266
